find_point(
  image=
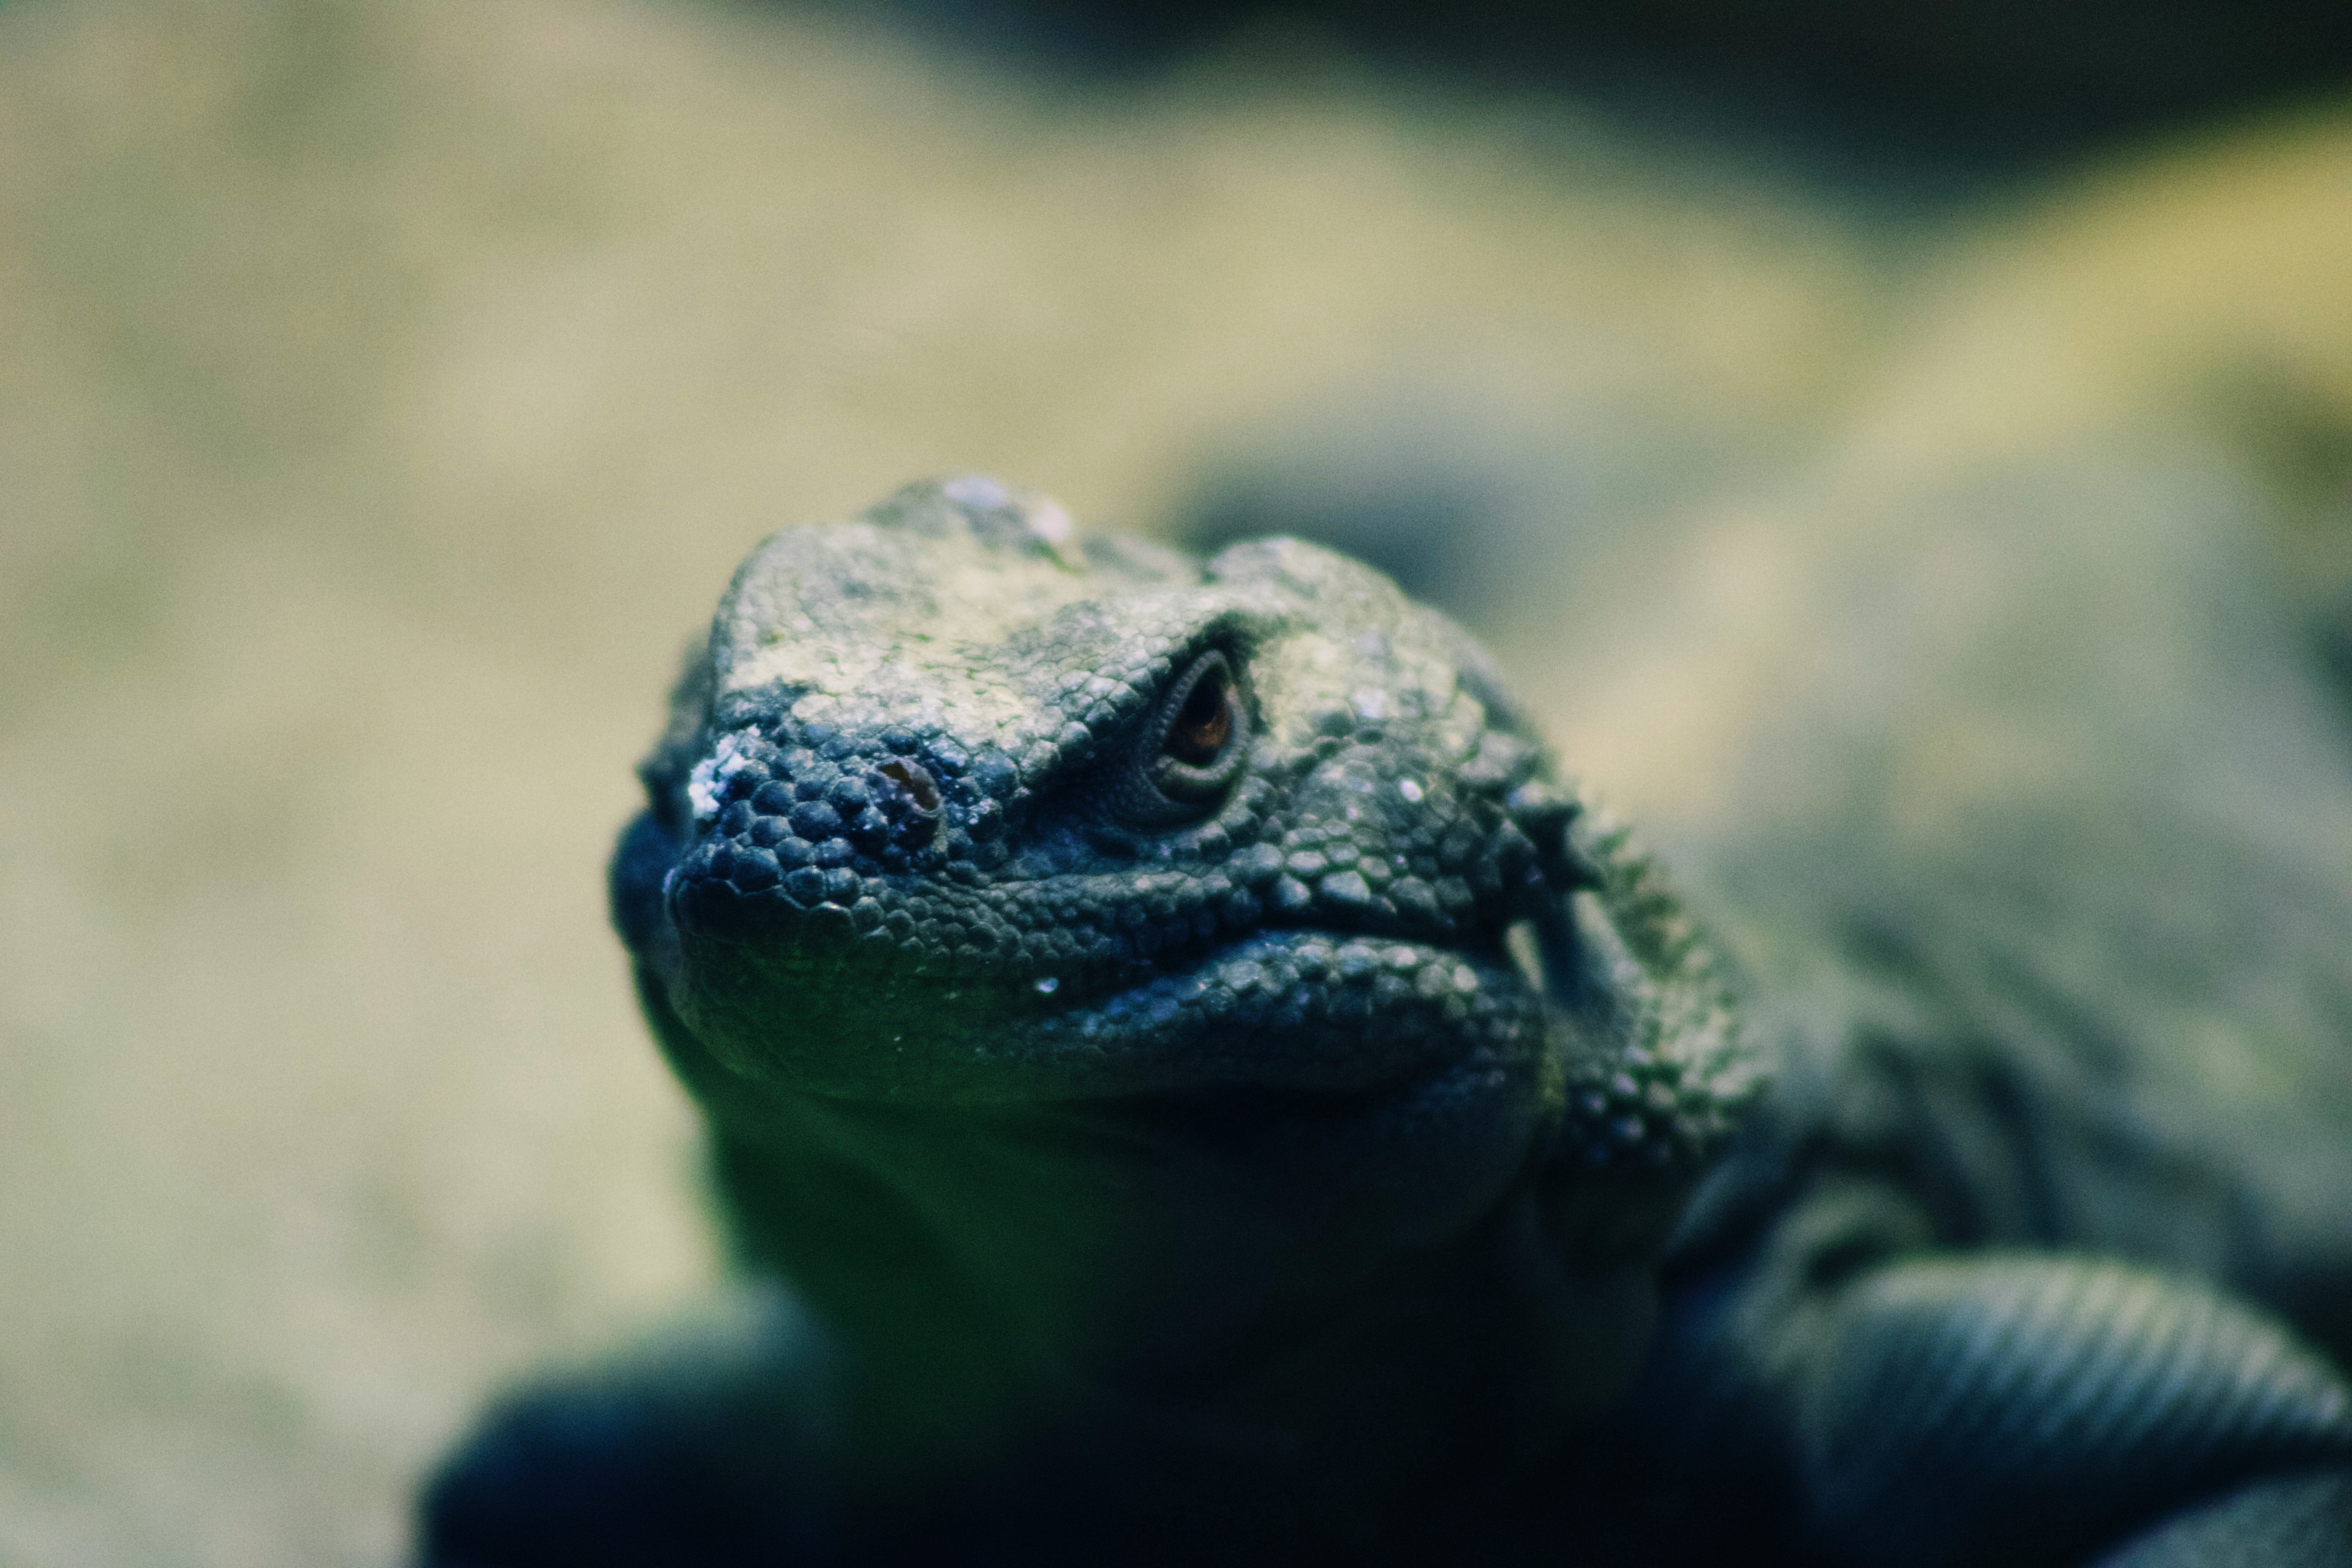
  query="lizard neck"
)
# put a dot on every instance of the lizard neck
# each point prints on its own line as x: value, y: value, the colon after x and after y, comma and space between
x: 1065, y: 1284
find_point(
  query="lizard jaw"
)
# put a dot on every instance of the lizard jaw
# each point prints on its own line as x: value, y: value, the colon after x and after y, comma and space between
x: 856, y: 994
x: 1296, y: 1011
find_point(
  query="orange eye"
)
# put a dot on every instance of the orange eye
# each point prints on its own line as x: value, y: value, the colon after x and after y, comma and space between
x: 1205, y: 722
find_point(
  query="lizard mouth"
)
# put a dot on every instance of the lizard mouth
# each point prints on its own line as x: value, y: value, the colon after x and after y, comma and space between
x: 897, y: 987
x: 1305, y: 1010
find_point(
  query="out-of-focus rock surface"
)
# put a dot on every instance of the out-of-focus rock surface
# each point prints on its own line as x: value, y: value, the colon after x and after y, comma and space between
x: 386, y: 391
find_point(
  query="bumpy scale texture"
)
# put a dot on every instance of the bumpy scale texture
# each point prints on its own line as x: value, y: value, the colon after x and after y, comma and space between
x: 914, y: 756
x: 1212, y: 1091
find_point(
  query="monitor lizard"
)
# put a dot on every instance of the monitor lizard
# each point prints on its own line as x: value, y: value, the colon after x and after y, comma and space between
x: 1214, y: 1091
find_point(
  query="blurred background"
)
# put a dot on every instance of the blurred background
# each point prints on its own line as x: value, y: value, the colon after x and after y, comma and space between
x: 387, y: 388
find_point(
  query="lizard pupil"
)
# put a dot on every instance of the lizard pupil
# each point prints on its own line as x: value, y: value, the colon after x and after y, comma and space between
x: 1205, y: 722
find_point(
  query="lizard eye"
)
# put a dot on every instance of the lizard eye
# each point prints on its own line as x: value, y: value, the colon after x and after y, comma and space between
x: 1205, y: 722
x: 1192, y: 750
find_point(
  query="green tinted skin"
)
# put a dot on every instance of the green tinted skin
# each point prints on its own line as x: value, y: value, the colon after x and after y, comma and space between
x: 1209, y: 1092
x: 1119, y: 983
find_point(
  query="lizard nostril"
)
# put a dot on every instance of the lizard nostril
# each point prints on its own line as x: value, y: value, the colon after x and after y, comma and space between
x: 914, y: 783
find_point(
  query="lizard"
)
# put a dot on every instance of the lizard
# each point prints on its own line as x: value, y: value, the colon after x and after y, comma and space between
x: 1199, y: 1083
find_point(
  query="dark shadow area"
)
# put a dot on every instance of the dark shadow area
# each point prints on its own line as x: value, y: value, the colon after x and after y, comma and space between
x: 1982, y: 85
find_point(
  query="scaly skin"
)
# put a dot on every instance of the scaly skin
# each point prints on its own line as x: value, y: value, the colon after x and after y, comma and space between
x: 1212, y: 1091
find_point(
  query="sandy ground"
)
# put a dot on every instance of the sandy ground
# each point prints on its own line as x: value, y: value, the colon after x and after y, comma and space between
x: 386, y: 391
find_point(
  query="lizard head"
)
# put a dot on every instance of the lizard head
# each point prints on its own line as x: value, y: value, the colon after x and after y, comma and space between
x: 961, y: 816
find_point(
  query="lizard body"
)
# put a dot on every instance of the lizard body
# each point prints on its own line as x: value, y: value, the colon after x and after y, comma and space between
x: 1215, y: 1092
